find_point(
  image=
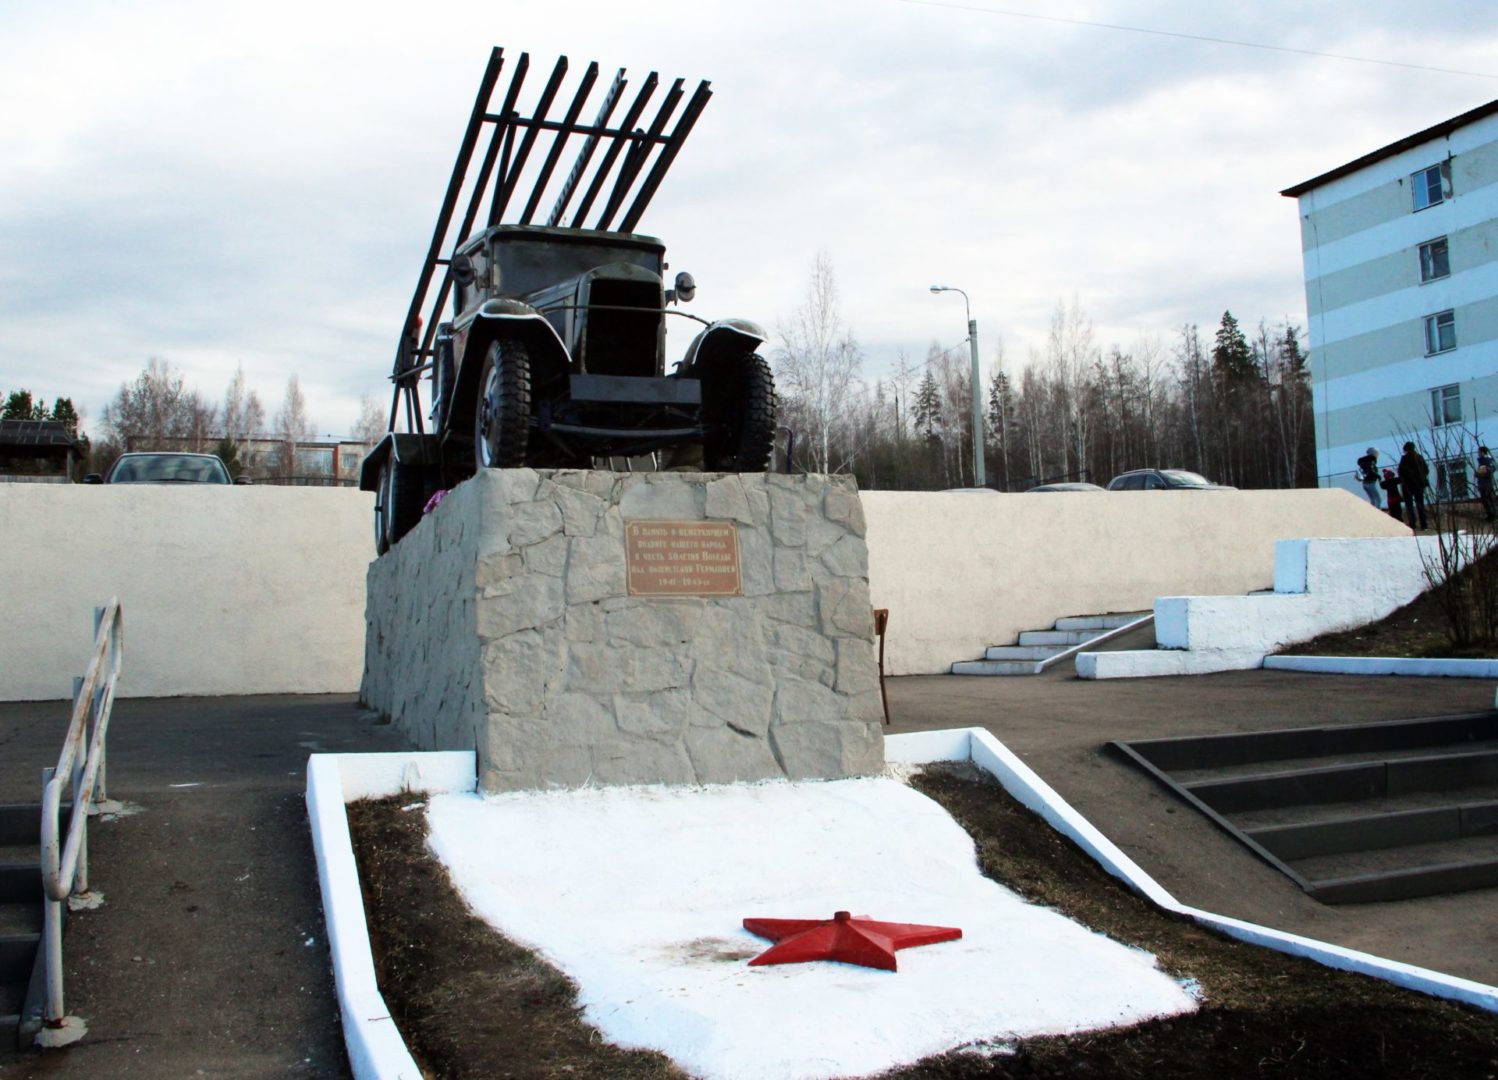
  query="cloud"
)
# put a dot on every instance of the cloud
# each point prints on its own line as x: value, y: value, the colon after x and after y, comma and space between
x: 257, y: 182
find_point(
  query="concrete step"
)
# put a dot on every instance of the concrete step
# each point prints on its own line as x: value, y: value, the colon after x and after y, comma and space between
x: 994, y: 667
x: 1064, y: 638
x: 1022, y: 652
x: 1099, y: 622
x: 20, y: 880
x: 21, y: 917
x: 17, y: 954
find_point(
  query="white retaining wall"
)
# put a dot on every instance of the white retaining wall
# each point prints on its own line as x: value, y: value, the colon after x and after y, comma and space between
x: 253, y: 590
x: 960, y: 571
x: 225, y: 590
x: 1320, y: 587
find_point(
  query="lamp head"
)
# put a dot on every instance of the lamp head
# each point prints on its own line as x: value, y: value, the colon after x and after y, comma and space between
x: 938, y: 288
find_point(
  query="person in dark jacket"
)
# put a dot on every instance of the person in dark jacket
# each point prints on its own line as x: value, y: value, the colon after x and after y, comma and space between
x: 1390, y: 484
x: 1414, y: 478
x: 1485, y: 467
x: 1368, y: 474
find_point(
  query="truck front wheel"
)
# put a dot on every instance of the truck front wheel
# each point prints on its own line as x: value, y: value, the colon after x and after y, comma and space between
x: 738, y: 405
x: 501, y: 426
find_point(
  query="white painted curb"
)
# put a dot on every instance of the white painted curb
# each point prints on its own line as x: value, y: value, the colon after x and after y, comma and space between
x: 377, y: 1052
x: 1386, y: 665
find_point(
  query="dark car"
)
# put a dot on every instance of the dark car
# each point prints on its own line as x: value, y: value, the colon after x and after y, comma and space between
x: 1163, y: 480
x: 163, y: 468
x: 1070, y: 485
x: 553, y: 350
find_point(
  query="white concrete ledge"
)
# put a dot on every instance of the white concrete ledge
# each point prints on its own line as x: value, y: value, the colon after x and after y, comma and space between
x: 376, y: 1050
x: 1147, y: 663
x: 375, y: 1046
x: 1386, y: 665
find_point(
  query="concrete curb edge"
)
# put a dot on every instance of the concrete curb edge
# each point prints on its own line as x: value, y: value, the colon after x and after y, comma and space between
x: 1386, y: 665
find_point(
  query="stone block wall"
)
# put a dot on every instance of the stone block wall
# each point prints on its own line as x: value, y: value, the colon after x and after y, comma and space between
x: 503, y: 623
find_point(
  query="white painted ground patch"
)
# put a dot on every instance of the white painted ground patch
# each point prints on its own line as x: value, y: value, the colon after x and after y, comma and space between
x: 638, y: 894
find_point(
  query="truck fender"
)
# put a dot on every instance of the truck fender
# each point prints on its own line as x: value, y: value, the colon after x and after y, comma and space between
x: 408, y: 448
x: 724, y: 338
x: 504, y: 318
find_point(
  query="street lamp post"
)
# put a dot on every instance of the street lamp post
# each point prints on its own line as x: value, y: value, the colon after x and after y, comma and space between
x: 980, y: 478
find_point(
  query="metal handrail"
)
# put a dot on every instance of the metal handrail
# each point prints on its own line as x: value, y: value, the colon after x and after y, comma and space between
x: 81, y: 768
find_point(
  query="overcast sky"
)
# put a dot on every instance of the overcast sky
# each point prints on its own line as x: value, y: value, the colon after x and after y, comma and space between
x: 256, y: 182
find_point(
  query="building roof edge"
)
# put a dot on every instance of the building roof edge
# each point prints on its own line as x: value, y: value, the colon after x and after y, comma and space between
x: 1445, y: 127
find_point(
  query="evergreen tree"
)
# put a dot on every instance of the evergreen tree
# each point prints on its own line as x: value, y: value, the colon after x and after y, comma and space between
x: 926, y: 414
x: 64, y: 413
x: 19, y: 406
x: 1232, y: 359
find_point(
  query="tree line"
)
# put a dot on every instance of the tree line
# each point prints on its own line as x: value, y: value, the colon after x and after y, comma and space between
x: 1236, y: 409
x: 157, y: 410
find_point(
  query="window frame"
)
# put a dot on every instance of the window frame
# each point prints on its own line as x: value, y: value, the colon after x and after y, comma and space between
x: 1429, y: 248
x: 1440, y: 398
x: 1452, y: 482
x: 1420, y: 184
x: 1434, y: 324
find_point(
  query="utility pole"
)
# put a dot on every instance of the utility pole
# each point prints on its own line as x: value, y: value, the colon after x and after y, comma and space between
x: 980, y: 478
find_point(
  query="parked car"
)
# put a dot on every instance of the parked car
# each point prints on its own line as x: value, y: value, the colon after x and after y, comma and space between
x: 1163, y: 480
x: 163, y: 468
x: 1071, y: 485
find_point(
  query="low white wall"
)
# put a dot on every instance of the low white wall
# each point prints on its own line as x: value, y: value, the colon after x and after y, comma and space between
x: 225, y: 590
x: 254, y: 590
x: 960, y: 571
x: 1321, y: 586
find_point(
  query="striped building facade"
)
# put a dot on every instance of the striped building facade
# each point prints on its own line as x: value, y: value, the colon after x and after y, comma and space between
x: 1401, y: 270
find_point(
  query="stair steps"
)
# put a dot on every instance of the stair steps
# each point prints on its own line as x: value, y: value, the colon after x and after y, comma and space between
x: 1356, y: 813
x: 21, y: 976
x: 1035, y: 650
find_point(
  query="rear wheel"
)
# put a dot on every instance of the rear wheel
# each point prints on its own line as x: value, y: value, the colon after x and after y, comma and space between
x: 738, y: 404
x: 501, y: 424
x: 399, y: 498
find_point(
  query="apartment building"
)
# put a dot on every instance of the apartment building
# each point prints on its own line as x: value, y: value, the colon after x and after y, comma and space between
x: 1401, y: 270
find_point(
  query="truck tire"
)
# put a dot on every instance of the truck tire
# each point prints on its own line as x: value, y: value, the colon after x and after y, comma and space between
x: 501, y: 417
x: 738, y: 404
x: 399, y: 499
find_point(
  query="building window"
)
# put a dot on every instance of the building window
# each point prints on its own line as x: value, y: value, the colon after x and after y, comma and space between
x: 1446, y: 405
x: 1440, y: 332
x: 1451, y: 480
x: 1429, y: 187
x: 1435, y: 260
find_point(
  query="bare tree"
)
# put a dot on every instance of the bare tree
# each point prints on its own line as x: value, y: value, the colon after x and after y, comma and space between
x: 292, y: 426
x: 373, y: 422
x: 817, y: 366
x: 244, y: 415
x: 158, y: 412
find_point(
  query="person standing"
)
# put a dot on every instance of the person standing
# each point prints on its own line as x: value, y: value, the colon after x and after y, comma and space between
x: 1485, y: 483
x: 1414, y: 478
x: 1390, y: 485
x: 1368, y: 474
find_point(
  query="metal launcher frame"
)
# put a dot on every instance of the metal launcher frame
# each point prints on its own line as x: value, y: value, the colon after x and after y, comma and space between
x: 620, y: 172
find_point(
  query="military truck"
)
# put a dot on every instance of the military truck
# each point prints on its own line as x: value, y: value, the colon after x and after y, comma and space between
x: 543, y: 343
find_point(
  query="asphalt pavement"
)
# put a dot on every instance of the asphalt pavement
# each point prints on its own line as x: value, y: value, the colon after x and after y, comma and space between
x: 209, y: 958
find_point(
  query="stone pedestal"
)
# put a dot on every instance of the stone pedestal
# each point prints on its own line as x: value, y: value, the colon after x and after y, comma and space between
x: 511, y: 621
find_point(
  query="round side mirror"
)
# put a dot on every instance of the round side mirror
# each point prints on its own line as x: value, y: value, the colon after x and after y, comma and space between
x: 686, y: 288
x: 462, y: 269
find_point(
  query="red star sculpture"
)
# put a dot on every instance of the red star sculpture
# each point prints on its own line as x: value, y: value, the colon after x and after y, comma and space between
x: 859, y: 940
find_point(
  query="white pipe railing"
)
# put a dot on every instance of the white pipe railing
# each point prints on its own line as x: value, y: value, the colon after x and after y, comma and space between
x: 81, y: 769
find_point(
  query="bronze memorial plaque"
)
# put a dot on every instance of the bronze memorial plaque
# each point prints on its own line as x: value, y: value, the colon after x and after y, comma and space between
x: 683, y: 558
